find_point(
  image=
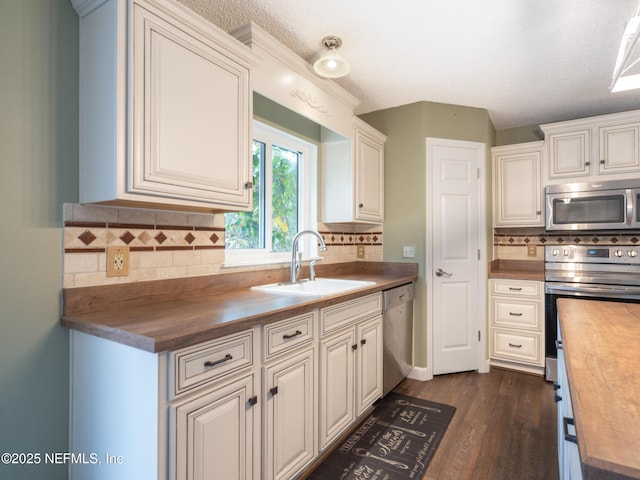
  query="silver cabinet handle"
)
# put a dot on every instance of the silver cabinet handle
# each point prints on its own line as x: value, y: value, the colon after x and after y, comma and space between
x: 441, y: 273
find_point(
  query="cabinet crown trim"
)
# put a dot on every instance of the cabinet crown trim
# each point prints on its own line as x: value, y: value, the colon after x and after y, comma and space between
x: 589, y: 122
x: 266, y: 45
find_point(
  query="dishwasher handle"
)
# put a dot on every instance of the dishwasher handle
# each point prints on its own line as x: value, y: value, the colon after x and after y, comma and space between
x: 397, y: 296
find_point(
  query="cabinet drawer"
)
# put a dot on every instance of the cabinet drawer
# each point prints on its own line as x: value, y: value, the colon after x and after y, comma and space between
x: 520, y: 288
x: 207, y: 362
x: 287, y: 334
x: 516, y: 346
x: 516, y: 313
x: 347, y: 313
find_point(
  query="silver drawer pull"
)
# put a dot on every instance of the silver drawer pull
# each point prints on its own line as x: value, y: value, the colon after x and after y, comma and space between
x: 226, y: 358
x: 514, y: 345
x: 515, y: 314
x: 515, y: 289
x: 291, y: 335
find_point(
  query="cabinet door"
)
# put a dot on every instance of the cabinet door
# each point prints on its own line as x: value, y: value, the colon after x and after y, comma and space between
x: 337, y: 385
x: 191, y: 113
x: 214, y: 434
x: 569, y: 154
x: 290, y: 415
x: 619, y: 149
x: 369, y: 364
x: 369, y: 165
x: 517, y: 189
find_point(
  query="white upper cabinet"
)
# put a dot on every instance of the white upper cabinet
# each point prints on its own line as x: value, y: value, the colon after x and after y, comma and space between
x: 517, y: 189
x: 352, y: 176
x: 165, y: 108
x: 604, y: 147
x: 369, y: 166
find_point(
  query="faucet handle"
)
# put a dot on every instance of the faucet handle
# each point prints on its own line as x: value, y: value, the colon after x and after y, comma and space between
x: 312, y: 271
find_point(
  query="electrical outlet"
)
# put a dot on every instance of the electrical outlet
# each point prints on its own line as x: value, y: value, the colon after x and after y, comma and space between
x: 360, y: 251
x: 117, y: 261
x: 532, y: 251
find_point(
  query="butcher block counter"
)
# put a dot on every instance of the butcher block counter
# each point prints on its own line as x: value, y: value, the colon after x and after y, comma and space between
x: 601, y: 344
x: 517, y: 269
x: 164, y: 315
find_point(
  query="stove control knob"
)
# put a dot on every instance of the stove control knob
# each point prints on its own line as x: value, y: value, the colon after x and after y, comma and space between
x: 632, y: 253
x: 618, y: 253
x: 555, y: 252
x: 566, y: 252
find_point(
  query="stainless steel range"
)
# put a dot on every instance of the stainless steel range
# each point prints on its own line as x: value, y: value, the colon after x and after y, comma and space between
x: 602, y: 272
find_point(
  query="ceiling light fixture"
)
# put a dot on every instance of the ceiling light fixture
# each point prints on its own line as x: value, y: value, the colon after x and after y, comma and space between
x: 330, y: 64
x: 626, y: 73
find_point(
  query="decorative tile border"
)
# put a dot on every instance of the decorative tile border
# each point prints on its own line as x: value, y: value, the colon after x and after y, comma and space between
x: 513, y: 237
x: 81, y: 237
x: 339, y: 238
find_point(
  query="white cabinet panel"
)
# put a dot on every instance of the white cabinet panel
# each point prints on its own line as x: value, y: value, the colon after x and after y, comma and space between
x: 290, y: 415
x: 517, y: 189
x: 369, y: 364
x: 352, y: 177
x: 337, y: 385
x: 202, y: 451
x: 619, y: 149
x: 165, y: 107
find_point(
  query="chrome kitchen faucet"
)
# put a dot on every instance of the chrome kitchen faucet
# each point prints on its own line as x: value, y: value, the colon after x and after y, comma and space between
x: 296, y: 257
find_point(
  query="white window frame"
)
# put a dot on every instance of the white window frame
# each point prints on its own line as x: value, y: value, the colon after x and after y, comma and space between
x: 307, y: 200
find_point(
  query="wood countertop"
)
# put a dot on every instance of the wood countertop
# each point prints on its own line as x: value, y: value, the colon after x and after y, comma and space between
x: 517, y: 269
x: 165, y: 315
x: 601, y: 342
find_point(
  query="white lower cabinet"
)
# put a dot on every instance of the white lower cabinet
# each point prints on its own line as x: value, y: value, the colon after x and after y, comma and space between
x: 337, y: 360
x: 290, y: 398
x: 517, y: 324
x: 214, y: 433
x: 214, y: 416
x: 350, y: 363
x: 256, y: 404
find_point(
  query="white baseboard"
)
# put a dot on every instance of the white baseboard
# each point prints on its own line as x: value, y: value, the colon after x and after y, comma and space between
x: 420, y: 373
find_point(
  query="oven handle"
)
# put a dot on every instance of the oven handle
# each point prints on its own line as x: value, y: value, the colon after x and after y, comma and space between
x: 596, y: 290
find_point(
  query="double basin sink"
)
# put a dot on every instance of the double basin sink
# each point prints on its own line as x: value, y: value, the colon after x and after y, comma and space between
x: 319, y: 287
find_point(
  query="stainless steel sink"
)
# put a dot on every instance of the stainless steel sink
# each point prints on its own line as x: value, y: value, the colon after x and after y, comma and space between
x: 319, y: 287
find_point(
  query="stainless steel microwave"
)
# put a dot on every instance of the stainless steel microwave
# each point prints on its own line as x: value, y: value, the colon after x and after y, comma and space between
x: 611, y: 205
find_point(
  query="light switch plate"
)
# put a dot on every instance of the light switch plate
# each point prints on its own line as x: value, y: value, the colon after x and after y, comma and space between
x: 408, y: 251
x: 532, y: 250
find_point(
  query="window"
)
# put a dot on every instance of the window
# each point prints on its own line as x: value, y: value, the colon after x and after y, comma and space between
x: 284, y: 200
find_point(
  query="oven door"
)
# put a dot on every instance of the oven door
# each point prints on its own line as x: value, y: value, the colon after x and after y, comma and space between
x: 555, y: 290
x: 596, y: 210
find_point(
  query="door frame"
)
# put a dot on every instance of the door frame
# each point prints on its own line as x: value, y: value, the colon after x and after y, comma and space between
x: 481, y: 148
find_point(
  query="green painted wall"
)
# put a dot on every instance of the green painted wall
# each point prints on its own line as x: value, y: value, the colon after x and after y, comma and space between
x: 38, y: 172
x: 270, y: 112
x: 510, y: 136
x: 407, y: 128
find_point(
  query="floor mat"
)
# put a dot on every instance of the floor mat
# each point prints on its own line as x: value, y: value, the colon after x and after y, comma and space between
x: 395, y: 442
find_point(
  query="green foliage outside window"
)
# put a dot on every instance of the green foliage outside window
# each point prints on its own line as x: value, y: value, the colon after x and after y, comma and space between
x: 247, y: 230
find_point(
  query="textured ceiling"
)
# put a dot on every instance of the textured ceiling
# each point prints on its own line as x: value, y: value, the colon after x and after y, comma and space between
x: 526, y: 61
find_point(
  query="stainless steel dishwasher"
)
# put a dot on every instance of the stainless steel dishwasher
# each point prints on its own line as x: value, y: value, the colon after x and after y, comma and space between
x: 397, y: 335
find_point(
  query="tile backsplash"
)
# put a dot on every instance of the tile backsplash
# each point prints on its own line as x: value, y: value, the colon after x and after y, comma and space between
x: 512, y: 243
x: 165, y: 244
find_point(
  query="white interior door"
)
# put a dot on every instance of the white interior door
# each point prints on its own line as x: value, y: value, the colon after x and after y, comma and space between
x: 455, y: 246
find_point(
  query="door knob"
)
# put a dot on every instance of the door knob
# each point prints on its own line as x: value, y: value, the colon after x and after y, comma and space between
x: 442, y: 273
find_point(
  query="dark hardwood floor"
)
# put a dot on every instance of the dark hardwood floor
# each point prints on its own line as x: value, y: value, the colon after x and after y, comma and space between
x: 504, y: 427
